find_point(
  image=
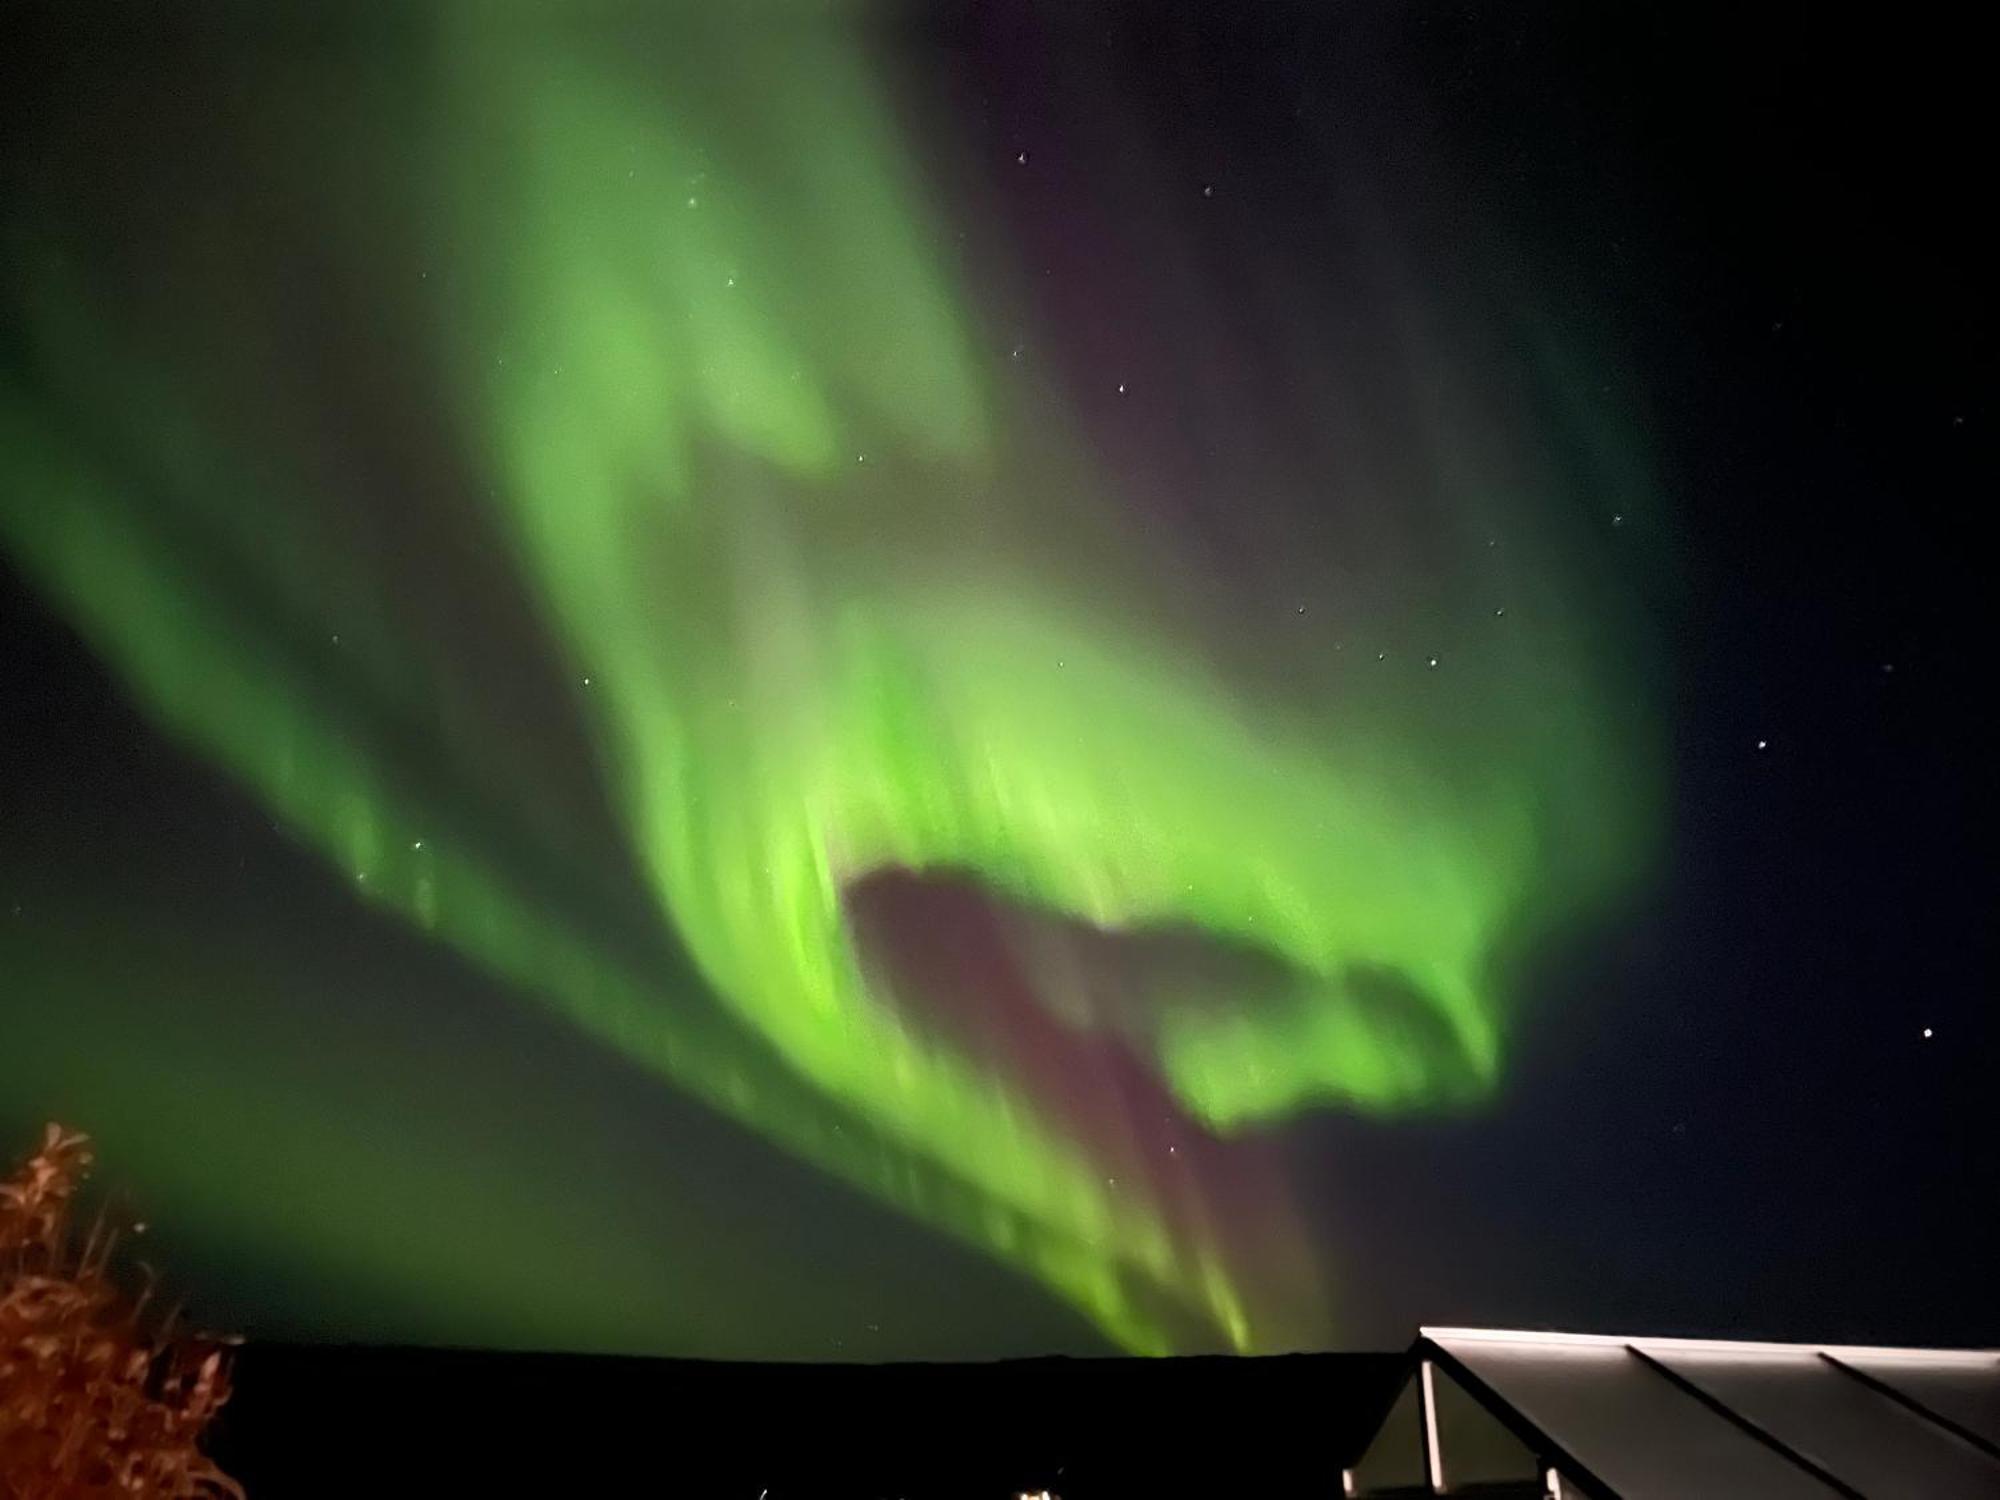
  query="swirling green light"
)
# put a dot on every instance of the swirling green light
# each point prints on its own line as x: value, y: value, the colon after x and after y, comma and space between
x: 702, y: 351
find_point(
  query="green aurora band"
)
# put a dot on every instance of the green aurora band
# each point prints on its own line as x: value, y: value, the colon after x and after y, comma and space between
x: 729, y: 420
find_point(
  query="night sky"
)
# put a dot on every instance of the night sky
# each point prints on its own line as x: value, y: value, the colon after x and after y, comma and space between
x: 871, y: 682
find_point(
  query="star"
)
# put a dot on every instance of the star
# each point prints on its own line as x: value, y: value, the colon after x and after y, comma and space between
x: 1022, y: 158
x: 1763, y: 744
x: 1928, y: 1033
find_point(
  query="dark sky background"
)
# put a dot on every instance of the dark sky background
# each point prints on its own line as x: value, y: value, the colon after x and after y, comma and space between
x: 1768, y: 1118
x: 1761, y: 1105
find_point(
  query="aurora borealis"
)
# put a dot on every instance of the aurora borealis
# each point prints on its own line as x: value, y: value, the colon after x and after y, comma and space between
x: 698, y: 531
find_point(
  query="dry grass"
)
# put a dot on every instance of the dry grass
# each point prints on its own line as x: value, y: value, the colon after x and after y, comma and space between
x: 96, y: 1397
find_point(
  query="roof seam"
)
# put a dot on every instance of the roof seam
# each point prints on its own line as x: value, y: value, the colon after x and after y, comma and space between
x: 1747, y: 1425
x: 1910, y: 1403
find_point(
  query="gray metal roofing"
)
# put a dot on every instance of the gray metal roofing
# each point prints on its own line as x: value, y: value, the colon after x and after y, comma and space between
x: 1642, y: 1418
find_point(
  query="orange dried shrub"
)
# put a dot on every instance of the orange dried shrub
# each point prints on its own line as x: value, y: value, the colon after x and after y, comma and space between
x: 96, y: 1399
